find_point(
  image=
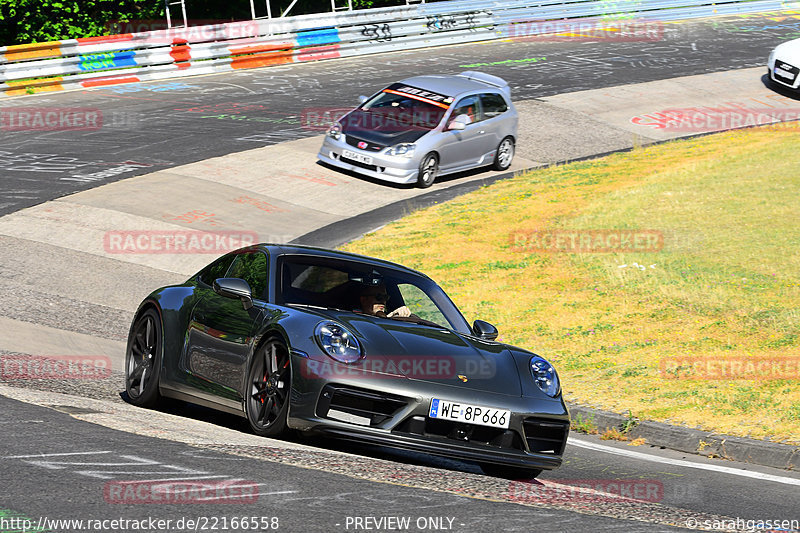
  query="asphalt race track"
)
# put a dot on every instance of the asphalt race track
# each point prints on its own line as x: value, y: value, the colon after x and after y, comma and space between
x: 158, y: 125
x: 65, y: 445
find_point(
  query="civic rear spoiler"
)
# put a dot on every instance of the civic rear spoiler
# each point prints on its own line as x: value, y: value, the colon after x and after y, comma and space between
x: 488, y: 79
x: 484, y: 78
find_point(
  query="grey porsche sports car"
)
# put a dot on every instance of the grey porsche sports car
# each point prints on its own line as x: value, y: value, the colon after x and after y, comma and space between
x: 426, y: 126
x: 332, y: 343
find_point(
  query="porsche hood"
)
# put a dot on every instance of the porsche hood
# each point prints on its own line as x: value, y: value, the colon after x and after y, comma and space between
x: 425, y: 353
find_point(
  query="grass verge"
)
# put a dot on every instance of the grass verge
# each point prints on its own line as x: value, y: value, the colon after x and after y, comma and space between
x: 723, y: 288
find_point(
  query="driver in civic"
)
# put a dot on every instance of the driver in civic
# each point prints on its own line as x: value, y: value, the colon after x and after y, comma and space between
x: 373, y: 300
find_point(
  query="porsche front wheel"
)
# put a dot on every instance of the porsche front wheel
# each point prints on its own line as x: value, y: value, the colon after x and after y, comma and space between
x: 268, y: 382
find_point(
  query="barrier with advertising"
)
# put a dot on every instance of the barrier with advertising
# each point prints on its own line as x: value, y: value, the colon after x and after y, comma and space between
x: 171, y: 53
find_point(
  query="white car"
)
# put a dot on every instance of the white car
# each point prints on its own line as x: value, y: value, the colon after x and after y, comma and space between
x: 784, y: 64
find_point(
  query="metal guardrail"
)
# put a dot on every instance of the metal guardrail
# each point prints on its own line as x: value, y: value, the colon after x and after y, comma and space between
x: 176, y: 52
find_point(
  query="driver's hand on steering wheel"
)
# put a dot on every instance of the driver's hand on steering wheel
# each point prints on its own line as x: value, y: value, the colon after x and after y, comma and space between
x: 400, y: 311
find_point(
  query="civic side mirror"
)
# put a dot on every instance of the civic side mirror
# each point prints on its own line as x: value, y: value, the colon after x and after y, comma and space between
x: 484, y: 330
x: 459, y: 123
x: 234, y: 288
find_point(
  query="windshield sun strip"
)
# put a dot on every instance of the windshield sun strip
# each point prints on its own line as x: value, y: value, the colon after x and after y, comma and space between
x: 420, y: 98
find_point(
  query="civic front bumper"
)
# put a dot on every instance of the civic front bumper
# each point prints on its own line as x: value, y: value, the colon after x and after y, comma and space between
x: 396, y: 169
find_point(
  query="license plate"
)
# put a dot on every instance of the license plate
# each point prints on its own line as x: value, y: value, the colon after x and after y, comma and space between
x: 355, y: 156
x: 784, y: 74
x: 471, y: 414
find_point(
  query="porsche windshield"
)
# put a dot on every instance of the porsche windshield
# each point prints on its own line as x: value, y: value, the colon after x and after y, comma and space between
x: 405, y: 106
x: 359, y: 288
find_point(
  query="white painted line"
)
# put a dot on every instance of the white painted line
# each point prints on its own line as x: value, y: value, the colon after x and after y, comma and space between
x: 50, y: 455
x: 686, y: 464
x: 179, y: 479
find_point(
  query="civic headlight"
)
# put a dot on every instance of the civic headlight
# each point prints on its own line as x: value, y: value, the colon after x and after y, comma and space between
x: 404, y: 149
x: 544, y: 375
x: 337, y: 342
x: 335, y: 131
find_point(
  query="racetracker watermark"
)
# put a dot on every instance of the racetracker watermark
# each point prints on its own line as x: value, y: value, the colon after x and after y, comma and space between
x: 385, y: 120
x: 321, y: 118
x: 725, y: 117
x: 587, y: 241
x: 176, y: 242
x: 632, y: 30
x: 586, y: 491
x: 423, y: 367
x: 55, y: 367
x: 50, y: 119
x: 196, y: 30
x: 712, y: 368
x: 181, y: 491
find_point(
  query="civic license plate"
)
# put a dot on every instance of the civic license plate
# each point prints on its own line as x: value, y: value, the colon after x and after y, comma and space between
x: 361, y: 158
x: 471, y: 414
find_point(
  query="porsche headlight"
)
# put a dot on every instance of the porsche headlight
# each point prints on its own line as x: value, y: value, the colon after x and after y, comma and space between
x: 544, y: 375
x: 335, y: 131
x: 337, y: 342
x: 404, y: 150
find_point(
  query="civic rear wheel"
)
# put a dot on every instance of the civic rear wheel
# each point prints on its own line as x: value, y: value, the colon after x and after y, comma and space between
x: 268, y: 381
x: 505, y: 154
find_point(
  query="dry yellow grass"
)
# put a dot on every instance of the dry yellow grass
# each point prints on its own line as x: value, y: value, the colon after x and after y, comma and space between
x: 724, y: 286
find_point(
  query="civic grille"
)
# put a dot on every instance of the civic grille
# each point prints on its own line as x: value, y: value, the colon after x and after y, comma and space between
x: 353, y: 141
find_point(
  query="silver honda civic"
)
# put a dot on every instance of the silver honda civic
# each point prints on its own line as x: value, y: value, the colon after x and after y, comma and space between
x: 426, y: 126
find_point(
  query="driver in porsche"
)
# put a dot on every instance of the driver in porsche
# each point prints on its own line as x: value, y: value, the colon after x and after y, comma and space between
x: 373, y: 300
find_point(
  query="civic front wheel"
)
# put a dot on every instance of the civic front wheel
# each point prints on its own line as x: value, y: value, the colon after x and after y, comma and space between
x: 428, y: 170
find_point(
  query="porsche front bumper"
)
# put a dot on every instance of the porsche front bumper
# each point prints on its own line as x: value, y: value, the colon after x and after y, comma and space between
x: 393, y: 412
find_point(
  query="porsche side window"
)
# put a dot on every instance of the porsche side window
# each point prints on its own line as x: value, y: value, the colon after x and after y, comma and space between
x: 317, y: 279
x: 251, y: 267
x: 215, y: 270
x: 421, y: 305
x: 493, y: 105
x: 469, y: 106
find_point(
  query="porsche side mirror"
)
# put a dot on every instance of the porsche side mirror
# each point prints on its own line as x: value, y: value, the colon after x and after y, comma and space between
x: 234, y: 288
x: 362, y: 99
x: 484, y: 330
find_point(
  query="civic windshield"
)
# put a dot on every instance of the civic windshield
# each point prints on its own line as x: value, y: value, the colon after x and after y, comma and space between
x: 406, y: 107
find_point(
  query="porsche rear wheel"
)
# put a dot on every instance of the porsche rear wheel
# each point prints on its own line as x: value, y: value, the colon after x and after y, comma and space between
x: 509, y: 472
x: 505, y: 154
x: 268, y: 382
x: 428, y: 170
x: 143, y: 360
